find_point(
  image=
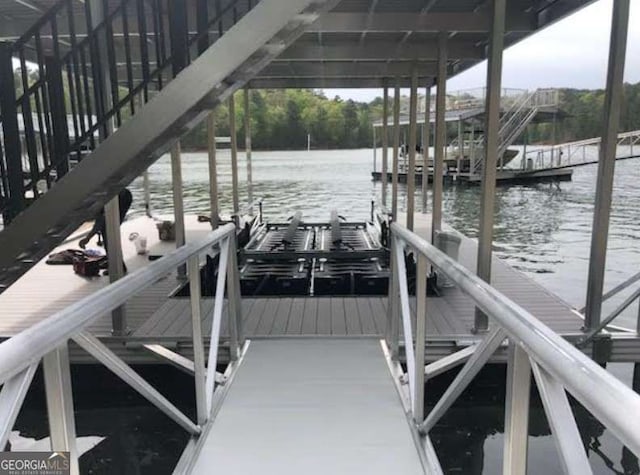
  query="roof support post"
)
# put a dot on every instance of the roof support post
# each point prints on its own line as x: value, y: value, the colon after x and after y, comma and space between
x: 14, y: 194
x: 234, y: 159
x: 147, y: 192
x: 606, y: 164
x: 441, y: 135
x: 411, y: 173
x: 145, y: 174
x: 385, y: 142
x: 374, y: 148
x: 247, y: 144
x: 113, y: 246
x: 62, y: 425
x: 178, y: 204
x: 213, y: 173
x: 460, y: 140
x: 104, y: 100
x: 396, y: 147
x: 492, y: 129
x: 425, y: 145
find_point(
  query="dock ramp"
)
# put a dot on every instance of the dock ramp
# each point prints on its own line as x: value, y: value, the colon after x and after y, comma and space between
x: 325, y: 405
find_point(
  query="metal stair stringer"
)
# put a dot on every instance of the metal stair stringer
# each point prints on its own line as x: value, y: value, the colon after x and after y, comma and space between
x: 223, y: 68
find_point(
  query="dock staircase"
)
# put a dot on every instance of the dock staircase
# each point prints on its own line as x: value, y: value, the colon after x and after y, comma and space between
x: 513, y: 122
x: 115, y: 101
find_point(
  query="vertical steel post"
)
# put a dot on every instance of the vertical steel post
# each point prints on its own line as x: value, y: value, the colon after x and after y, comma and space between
x: 472, y: 148
x: 396, y: 147
x: 235, y: 304
x: 460, y: 140
x: 441, y: 135
x: 492, y: 129
x: 57, y: 382
x: 411, y: 173
x: 394, y: 300
x: 247, y: 144
x: 421, y: 335
x: 425, y: 145
x: 11, y: 134
x: 147, y: 193
x: 115, y: 260
x: 606, y: 163
x: 202, y: 412
x: 392, y: 294
x: 178, y: 35
x: 178, y: 204
x: 524, y: 150
x: 213, y: 173
x: 374, y: 148
x: 234, y: 159
x: 202, y: 24
x: 59, y: 124
x: 516, y: 419
x: 554, y: 138
x: 385, y: 142
x: 112, y: 208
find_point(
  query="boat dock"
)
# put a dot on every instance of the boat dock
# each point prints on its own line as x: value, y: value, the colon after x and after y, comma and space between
x: 290, y: 382
x: 503, y: 177
x: 157, y: 316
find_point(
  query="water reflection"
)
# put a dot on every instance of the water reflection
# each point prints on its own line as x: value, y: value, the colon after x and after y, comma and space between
x: 469, y: 439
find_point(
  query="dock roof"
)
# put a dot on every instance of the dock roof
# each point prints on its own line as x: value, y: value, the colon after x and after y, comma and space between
x: 359, y: 43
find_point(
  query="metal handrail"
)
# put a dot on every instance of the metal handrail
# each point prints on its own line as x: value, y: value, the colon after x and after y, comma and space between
x: 47, y: 342
x: 30, y: 345
x: 555, y: 361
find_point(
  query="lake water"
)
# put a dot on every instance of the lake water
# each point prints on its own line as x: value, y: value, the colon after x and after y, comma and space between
x: 543, y: 230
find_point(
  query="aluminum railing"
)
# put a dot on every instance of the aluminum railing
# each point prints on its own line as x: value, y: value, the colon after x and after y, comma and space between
x: 47, y: 341
x: 557, y: 366
x: 580, y: 152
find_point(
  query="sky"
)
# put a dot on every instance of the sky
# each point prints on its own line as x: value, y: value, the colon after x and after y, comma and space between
x: 570, y: 53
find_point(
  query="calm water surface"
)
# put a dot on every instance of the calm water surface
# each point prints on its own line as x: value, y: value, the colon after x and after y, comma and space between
x: 543, y: 230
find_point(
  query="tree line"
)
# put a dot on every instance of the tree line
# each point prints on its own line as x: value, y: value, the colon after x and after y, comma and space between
x: 585, y: 110
x: 281, y: 119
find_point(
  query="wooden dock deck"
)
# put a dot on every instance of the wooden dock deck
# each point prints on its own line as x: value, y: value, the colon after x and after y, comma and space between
x: 155, y: 316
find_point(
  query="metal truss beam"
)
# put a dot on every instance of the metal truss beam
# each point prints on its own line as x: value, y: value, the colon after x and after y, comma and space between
x: 372, y: 50
x: 346, y: 69
x: 432, y: 22
x: 333, y: 83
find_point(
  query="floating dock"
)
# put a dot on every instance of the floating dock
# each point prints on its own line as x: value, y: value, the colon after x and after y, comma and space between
x: 503, y: 177
x: 159, y: 316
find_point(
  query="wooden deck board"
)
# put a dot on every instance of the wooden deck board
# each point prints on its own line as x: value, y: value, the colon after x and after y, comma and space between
x: 338, y: 323
x: 354, y: 327
x: 309, y: 316
x: 153, y: 313
x: 324, y: 316
x: 294, y: 326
